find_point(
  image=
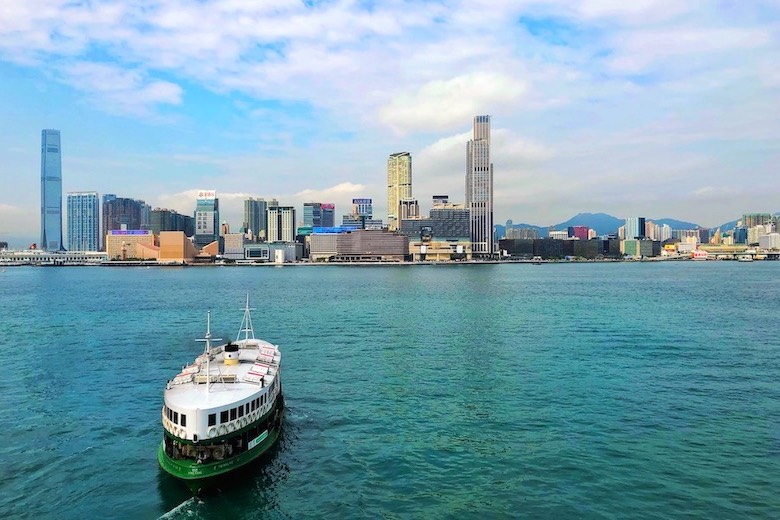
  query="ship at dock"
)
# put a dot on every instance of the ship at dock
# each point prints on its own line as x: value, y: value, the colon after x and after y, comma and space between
x: 224, y: 410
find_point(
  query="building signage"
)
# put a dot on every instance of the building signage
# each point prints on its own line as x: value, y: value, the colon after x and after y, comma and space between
x: 361, y: 201
x: 328, y: 205
x: 207, y: 194
x: 130, y: 232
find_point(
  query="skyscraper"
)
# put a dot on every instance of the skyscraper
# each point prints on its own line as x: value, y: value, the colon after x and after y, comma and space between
x: 206, y: 218
x: 328, y: 214
x: 399, y: 186
x: 51, y: 191
x: 312, y: 214
x: 83, y: 221
x: 363, y: 208
x: 635, y: 228
x: 162, y: 219
x: 255, y: 219
x: 479, y: 187
x: 281, y: 224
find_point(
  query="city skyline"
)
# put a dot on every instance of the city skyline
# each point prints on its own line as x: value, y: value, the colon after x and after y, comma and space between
x: 650, y: 108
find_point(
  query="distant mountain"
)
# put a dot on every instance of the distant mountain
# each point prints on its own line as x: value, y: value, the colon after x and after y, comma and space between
x: 675, y: 224
x: 602, y: 223
x: 728, y: 226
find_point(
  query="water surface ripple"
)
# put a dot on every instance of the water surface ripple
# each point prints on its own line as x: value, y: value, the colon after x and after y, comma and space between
x: 494, y: 391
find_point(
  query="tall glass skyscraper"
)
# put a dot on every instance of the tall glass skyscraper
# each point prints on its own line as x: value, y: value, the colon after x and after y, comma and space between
x: 83, y: 221
x: 479, y: 187
x: 255, y: 219
x: 328, y: 214
x: 399, y: 186
x: 51, y: 191
x: 312, y: 214
x: 206, y: 218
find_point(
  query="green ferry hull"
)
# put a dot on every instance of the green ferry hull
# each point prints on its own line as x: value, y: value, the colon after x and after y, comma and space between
x: 199, y: 477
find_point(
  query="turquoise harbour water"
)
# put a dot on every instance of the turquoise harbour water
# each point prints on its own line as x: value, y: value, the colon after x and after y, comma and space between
x: 628, y: 390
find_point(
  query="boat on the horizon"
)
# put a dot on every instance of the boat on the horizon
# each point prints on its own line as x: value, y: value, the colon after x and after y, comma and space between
x: 745, y: 258
x: 224, y: 410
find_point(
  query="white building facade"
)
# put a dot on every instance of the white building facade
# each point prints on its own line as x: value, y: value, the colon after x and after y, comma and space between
x: 479, y: 188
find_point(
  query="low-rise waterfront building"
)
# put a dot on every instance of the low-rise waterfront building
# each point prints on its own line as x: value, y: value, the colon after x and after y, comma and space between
x: 175, y: 248
x: 41, y: 257
x: 120, y: 243
x: 641, y: 248
x: 366, y: 245
x: 234, y: 246
x: 553, y: 248
x: 440, y: 250
x: 271, y: 251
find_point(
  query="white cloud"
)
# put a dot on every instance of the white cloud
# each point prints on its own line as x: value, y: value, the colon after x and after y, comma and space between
x: 325, y: 195
x: 633, y: 89
x: 441, y: 105
x: 8, y: 209
x: 121, y: 90
x: 640, y: 50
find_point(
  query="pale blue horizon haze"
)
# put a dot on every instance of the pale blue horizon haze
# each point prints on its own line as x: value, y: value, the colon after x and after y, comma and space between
x: 655, y: 108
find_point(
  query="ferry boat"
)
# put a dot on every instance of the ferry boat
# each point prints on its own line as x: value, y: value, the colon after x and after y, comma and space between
x: 224, y: 410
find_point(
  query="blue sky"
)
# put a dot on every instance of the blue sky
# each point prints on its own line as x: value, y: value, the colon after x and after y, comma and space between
x: 658, y: 108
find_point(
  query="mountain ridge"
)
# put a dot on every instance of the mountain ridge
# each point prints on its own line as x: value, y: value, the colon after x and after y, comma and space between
x: 602, y: 223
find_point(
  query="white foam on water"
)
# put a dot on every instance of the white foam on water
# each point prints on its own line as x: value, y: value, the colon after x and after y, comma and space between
x: 181, y: 509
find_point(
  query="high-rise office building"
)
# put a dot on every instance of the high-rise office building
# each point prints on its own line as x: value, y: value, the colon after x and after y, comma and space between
x: 83, y: 221
x: 328, y: 214
x: 445, y: 221
x: 363, y: 208
x: 578, y: 232
x: 169, y: 220
x: 206, y: 218
x: 281, y: 224
x: 479, y: 187
x: 399, y: 186
x: 635, y: 228
x: 255, y: 224
x: 51, y: 191
x: 312, y: 214
x: 319, y: 214
x: 409, y: 209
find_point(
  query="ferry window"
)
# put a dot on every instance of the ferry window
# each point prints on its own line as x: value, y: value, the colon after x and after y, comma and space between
x: 233, y: 414
x: 183, y: 420
x: 176, y: 417
x: 254, y: 404
x: 223, y: 416
x: 212, y: 419
x: 241, y: 411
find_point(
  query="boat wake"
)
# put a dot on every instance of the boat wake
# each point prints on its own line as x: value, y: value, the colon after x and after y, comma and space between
x: 187, y: 509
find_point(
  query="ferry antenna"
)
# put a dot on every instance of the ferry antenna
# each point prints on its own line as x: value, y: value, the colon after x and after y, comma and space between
x: 208, y: 339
